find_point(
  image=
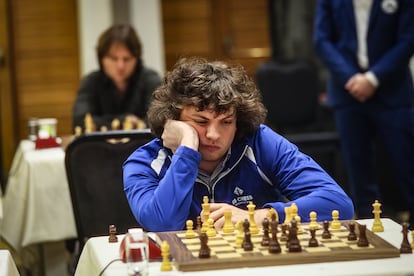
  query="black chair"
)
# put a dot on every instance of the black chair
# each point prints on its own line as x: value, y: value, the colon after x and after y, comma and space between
x: 290, y: 93
x: 94, y: 172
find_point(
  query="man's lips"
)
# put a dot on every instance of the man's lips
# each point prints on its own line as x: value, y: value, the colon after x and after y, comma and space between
x: 210, y: 147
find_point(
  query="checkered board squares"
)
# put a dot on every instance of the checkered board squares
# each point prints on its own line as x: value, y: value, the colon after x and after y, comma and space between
x: 224, y: 245
x: 225, y: 253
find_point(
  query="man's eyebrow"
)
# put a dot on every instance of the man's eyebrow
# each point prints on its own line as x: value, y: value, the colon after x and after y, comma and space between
x: 200, y: 116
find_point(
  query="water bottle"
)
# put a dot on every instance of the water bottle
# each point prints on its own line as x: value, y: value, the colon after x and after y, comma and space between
x: 137, y: 252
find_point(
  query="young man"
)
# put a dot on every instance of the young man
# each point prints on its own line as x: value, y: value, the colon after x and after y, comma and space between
x: 212, y: 142
x: 122, y: 87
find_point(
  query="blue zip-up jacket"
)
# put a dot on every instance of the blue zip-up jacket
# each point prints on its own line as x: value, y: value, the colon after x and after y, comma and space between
x: 164, y: 191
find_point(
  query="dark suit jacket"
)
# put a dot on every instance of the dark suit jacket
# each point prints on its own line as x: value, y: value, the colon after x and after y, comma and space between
x: 390, y: 44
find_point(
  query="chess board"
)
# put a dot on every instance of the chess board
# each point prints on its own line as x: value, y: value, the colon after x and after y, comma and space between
x: 225, y: 254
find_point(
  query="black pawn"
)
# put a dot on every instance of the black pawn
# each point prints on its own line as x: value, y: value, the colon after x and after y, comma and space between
x: 283, y: 236
x: 313, y: 242
x: 352, y: 235
x: 247, y: 241
x: 362, y: 240
x: 274, y: 246
x: 266, y: 238
x: 294, y: 244
x: 405, y: 245
x: 204, y: 248
x: 326, y: 234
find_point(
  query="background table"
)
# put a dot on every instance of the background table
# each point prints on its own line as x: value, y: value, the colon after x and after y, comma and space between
x: 37, y: 208
x: 98, y: 253
x: 7, y: 265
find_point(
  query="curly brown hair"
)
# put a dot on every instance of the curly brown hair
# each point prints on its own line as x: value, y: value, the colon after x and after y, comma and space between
x: 207, y: 85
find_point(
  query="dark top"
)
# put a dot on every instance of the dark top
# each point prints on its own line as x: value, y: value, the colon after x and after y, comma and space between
x: 99, y: 96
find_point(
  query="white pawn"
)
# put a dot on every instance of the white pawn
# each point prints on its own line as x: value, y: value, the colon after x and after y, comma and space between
x: 211, y: 232
x: 189, y: 234
x: 313, y: 220
x: 335, y: 224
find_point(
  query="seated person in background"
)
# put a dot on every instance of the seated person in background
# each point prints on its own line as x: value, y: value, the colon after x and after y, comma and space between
x: 122, y: 87
x: 208, y: 117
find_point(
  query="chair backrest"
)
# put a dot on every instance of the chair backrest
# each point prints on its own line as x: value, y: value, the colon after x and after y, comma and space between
x: 94, y: 171
x: 290, y: 92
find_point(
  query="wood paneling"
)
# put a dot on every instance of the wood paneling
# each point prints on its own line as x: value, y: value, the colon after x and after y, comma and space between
x: 231, y: 30
x: 45, y: 39
x: 187, y: 29
x: 7, y: 122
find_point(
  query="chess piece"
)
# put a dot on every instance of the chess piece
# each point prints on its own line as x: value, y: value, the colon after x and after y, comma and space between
x: 78, y: 131
x: 115, y: 124
x: 326, y: 234
x: 240, y: 234
x: 211, y: 231
x: 362, y: 239
x: 294, y: 243
x: 228, y: 226
x: 293, y: 211
x: 335, y: 224
x: 405, y: 245
x: 283, y: 236
x: 89, y: 123
x: 165, y: 253
x: 272, y: 214
x: 266, y: 238
x: 313, y: 242
x: 104, y: 129
x: 198, y: 222
x: 140, y: 124
x: 412, y: 239
x: 377, y: 225
x: 112, y: 234
x: 313, y: 220
x: 204, y: 251
x: 287, y: 215
x: 352, y: 236
x: 205, y: 213
x: 298, y: 224
x: 128, y: 124
x: 253, y: 226
x: 189, y: 234
x: 274, y: 246
x: 247, y: 241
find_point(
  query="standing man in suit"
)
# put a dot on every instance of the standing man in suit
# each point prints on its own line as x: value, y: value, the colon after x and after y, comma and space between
x: 366, y: 46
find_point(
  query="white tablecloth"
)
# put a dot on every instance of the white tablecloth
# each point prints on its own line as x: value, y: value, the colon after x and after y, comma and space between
x: 98, y: 253
x: 36, y: 205
x: 37, y: 209
x: 7, y: 265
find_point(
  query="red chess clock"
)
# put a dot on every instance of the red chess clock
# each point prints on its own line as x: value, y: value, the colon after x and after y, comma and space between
x: 154, y: 250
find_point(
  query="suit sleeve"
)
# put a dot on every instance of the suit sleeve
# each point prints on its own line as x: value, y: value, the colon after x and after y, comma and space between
x: 327, y: 22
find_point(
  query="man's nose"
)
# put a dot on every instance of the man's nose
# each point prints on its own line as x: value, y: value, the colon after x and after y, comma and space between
x: 212, y: 132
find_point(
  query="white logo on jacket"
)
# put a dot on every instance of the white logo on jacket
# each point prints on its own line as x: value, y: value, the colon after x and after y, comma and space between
x: 389, y: 6
x: 241, y: 199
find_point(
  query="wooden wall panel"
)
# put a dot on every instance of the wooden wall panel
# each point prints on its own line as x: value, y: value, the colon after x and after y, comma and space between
x: 230, y: 30
x: 45, y: 39
x: 7, y: 121
x: 187, y: 29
